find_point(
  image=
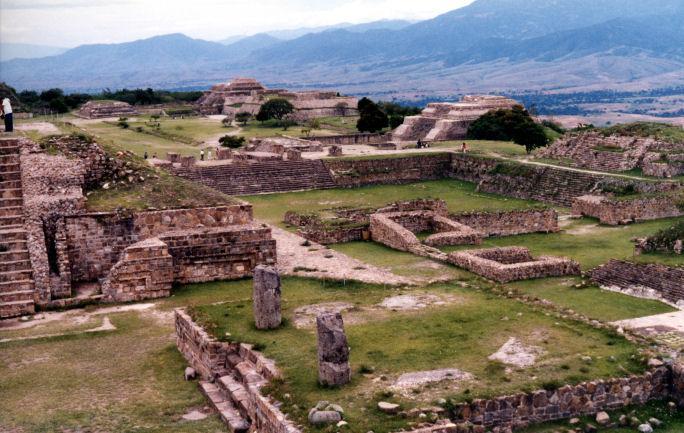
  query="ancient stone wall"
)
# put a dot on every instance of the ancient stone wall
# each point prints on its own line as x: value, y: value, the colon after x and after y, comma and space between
x: 512, y: 264
x: 388, y: 232
x: 363, y: 138
x: 202, y: 255
x: 510, y: 223
x: 614, y: 211
x: 587, y: 398
x: 204, y: 353
x: 144, y: 272
x: 353, y: 173
x: 651, y: 281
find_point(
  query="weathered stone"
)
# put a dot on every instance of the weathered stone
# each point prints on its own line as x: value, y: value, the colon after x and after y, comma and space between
x: 333, y: 350
x: 324, y: 417
x: 390, y: 408
x: 266, y: 295
x: 645, y: 428
x: 190, y: 373
x: 602, y: 418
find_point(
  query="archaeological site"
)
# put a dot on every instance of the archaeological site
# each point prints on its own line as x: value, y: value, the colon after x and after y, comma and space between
x: 258, y: 256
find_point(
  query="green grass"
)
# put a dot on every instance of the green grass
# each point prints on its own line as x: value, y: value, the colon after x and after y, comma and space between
x: 591, y: 301
x: 459, y: 335
x: 484, y: 147
x: 589, y: 243
x: 343, y: 125
x: 460, y: 197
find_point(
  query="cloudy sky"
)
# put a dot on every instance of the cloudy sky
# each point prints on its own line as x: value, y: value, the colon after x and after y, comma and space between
x: 67, y: 23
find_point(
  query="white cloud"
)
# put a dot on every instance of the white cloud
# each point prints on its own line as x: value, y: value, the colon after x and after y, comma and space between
x: 75, y: 22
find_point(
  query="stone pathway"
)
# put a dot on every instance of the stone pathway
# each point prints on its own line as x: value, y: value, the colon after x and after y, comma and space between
x: 107, y: 325
x: 667, y: 328
x: 317, y: 261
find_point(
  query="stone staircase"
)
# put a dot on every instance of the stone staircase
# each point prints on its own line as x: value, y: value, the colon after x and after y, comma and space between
x: 16, y: 276
x: 261, y: 177
x: 236, y: 395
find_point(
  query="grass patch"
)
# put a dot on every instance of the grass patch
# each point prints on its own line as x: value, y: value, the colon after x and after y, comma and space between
x: 461, y: 334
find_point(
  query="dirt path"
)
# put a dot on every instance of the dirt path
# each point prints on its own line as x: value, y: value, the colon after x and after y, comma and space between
x: 317, y: 261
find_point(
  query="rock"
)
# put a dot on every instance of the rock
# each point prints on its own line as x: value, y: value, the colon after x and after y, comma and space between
x: 324, y: 417
x: 623, y: 421
x: 342, y: 424
x: 590, y: 428
x: 194, y: 415
x: 389, y: 408
x: 321, y: 405
x: 645, y: 428
x: 602, y: 418
x: 634, y: 421
x: 587, y: 359
x: 655, y: 422
x: 655, y: 363
x: 574, y: 421
x: 266, y: 295
x: 336, y: 407
x: 333, y: 350
x: 190, y: 373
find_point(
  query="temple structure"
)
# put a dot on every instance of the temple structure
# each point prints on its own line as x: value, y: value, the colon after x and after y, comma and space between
x: 248, y: 95
x: 449, y: 120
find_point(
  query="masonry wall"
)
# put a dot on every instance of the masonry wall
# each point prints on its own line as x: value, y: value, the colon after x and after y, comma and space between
x: 510, y: 223
x: 652, y: 281
x: 204, y: 353
x: 622, y: 211
x: 350, y: 139
x: 353, y: 173
x: 568, y: 401
x: 95, y: 241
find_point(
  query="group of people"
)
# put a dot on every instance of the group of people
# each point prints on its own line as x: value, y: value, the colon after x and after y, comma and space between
x: 425, y: 144
x: 7, y: 115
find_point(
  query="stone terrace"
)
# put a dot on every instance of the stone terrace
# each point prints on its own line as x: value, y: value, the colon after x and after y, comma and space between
x: 16, y: 276
x: 512, y: 264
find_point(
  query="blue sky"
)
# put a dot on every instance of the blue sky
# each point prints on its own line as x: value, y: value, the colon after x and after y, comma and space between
x: 67, y: 23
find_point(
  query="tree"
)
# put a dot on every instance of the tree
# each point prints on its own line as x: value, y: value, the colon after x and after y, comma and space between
x: 514, y: 124
x: 395, y: 120
x: 59, y: 105
x: 372, y: 118
x: 243, y: 117
x: 276, y: 108
x: 232, y: 141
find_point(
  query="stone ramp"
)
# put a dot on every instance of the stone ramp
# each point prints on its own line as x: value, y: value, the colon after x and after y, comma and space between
x: 16, y: 276
x: 261, y: 177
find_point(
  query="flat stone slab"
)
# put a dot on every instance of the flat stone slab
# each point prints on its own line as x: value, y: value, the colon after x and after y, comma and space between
x: 420, y: 378
x: 514, y: 352
x: 305, y: 317
x: 194, y: 415
x: 412, y: 302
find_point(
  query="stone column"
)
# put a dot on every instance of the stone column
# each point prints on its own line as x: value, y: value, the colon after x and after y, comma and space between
x: 266, y: 297
x: 333, y: 350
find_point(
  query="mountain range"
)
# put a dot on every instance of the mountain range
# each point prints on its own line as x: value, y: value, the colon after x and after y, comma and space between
x: 490, y: 45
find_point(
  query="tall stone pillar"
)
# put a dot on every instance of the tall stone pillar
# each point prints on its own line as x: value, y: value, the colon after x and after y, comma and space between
x: 266, y: 297
x: 333, y: 350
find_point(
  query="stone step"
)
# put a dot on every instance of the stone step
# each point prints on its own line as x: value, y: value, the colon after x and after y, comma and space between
x: 12, y: 211
x: 9, y: 184
x: 16, y: 309
x: 10, y: 256
x: 12, y: 234
x: 14, y: 245
x: 12, y: 158
x: 10, y: 175
x: 237, y: 394
x: 14, y: 265
x: 9, y: 167
x: 9, y: 193
x: 9, y: 142
x: 14, y: 276
x: 11, y: 202
x: 13, y: 286
x: 11, y: 222
x: 228, y: 413
x: 16, y: 296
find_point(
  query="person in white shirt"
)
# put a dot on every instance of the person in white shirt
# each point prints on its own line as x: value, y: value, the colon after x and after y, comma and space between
x: 7, y: 115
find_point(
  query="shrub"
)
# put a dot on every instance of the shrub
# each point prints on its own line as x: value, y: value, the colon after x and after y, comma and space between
x: 276, y: 108
x: 123, y: 124
x: 232, y: 141
x: 514, y: 124
x: 372, y: 118
x: 554, y: 126
x: 243, y: 117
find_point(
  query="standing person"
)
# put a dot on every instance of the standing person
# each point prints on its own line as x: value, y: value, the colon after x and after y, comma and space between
x: 208, y: 155
x: 145, y: 155
x: 7, y: 115
x: 202, y: 155
x: 464, y: 147
x: 419, y: 144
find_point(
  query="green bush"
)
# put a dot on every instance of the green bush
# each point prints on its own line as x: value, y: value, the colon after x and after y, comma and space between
x: 231, y: 141
x: 372, y: 118
x: 276, y: 108
x: 514, y: 125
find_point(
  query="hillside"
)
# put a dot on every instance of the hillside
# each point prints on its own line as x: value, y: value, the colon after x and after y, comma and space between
x: 490, y: 45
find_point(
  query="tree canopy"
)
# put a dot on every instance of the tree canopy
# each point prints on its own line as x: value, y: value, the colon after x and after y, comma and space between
x: 276, y: 108
x: 372, y: 118
x: 514, y: 124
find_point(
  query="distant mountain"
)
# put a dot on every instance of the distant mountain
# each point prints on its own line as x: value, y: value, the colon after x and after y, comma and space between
x: 28, y: 51
x: 490, y: 45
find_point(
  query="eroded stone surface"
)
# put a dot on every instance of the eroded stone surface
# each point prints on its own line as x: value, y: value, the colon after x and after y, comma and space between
x: 419, y: 378
x: 266, y: 295
x: 333, y: 350
x: 514, y: 352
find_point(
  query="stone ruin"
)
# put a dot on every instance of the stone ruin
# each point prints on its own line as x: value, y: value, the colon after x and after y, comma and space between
x: 621, y: 210
x: 508, y: 264
x: 333, y: 350
x: 248, y: 95
x: 54, y: 253
x: 105, y: 109
x: 266, y: 295
x: 442, y: 121
x: 595, y: 151
x: 276, y: 148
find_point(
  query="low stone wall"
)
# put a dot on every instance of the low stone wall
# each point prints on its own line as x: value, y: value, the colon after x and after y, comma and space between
x: 613, y: 211
x: 512, y: 264
x: 510, y: 223
x: 349, y: 139
x: 651, y: 281
x: 204, y: 353
x: 220, y: 253
x: 392, y: 234
x: 352, y: 173
x: 587, y: 398
x: 144, y: 272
